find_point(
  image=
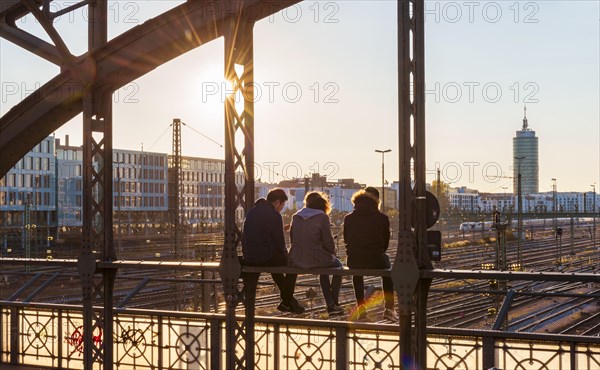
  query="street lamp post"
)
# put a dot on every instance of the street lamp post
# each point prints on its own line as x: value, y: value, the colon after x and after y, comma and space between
x: 554, y: 202
x: 594, y: 216
x: 383, y: 176
x: 210, y: 214
x: 519, y: 211
x: 556, y: 231
x: 119, y: 206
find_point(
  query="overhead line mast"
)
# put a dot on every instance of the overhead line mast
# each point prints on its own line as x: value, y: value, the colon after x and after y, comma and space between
x: 176, y: 187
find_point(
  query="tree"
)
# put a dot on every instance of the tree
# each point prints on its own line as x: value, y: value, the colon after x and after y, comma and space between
x: 441, y: 193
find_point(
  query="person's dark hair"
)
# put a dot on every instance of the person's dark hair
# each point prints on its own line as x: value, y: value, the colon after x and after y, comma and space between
x: 372, y: 190
x: 317, y: 200
x: 276, y: 194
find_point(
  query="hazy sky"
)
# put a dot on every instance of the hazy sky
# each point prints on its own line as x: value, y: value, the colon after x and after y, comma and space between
x: 327, y: 76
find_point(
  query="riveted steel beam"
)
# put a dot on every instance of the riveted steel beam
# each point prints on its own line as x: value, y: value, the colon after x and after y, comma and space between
x: 239, y: 157
x: 144, y: 47
x: 97, y: 284
x: 412, y: 252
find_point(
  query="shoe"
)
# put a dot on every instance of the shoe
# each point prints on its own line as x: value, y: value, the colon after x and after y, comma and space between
x: 360, y: 313
x: 295, y: 306
x: 284, y: 307
x: 390, y: 314
x: 335, y: 309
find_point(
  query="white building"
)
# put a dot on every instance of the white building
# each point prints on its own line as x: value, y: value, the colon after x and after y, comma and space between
x: 204, y: 190
x: 28, y: 198
x: 69, y: 160
x: 464, y: 199
x: 496, y: 202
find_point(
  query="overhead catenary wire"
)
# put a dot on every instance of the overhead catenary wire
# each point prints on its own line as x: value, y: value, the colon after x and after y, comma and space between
x: 198, y: 132
x: 160, y: 137
x: 276, y: 173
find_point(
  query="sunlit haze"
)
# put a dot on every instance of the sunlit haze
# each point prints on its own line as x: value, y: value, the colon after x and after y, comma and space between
x: 326, y: 96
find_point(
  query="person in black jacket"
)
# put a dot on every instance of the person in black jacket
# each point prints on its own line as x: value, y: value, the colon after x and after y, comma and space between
x: 367, y: 236
x: 263, y: 244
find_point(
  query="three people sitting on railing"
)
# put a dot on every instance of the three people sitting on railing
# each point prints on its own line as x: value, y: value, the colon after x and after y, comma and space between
x: 367, y: 237
x: 263, y: 244
x: 313, y: 246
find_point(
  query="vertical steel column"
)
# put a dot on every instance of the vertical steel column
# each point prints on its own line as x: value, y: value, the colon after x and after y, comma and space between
x: 423, y: 259
x: 341, y: 348
x: 97, y: 205
x: 239, y: 157
x: 161, y: 332
x: 176, y: 187
x: 412, y: 244
x: 215, y: 344
x: 176, y: 202
x: 489, y: 360
x: 15, y: 349
x: 406, y: 241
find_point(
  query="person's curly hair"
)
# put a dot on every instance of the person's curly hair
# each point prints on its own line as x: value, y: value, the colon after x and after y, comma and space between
x: 318, y: 200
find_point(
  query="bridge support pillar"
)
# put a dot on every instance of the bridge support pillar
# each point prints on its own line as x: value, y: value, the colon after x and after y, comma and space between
x: 97, y: 285
x: 413, y: 253
x: 239, y: 158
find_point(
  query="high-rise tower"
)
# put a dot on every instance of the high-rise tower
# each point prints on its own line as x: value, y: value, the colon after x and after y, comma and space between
x: 525, y: 157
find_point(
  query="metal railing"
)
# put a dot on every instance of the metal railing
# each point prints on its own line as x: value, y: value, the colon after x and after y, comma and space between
x: 51, y: 336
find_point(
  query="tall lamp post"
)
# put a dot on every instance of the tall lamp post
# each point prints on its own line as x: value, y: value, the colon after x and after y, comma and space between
x: 594, y: 216
x: 210, y: 213
x: 554, y: 202
x: 556, y: 231
x: 383, y: 176
x: 119, y: 206
x: 519, y: 211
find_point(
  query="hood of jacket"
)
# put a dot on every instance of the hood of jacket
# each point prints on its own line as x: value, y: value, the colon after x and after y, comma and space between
x: 307, y: 213
x: 261, y: 202
x: 366, y: 204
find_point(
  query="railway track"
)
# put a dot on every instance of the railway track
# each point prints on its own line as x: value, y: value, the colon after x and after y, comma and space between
x: 445, y: 308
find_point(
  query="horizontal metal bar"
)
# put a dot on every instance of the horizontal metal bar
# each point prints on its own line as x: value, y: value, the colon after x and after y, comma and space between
x: 161, y: 265
x: 423, y: 274
x: 557, y: 338
x: 511, y: 275
x: 518, y: 292
x: 319, y: 271
x: 323, y: 323
x: 38, y: 262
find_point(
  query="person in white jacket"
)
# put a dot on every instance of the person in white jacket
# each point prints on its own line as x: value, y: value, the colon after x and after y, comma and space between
x: 313, y: 246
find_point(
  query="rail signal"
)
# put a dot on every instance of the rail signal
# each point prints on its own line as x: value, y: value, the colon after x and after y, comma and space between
x: 434, y: 237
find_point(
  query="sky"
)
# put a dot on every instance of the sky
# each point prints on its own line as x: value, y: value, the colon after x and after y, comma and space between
x: 326, y: 73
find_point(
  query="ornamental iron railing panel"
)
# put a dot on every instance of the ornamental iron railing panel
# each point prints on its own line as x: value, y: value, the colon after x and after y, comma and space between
x: 52, y: 336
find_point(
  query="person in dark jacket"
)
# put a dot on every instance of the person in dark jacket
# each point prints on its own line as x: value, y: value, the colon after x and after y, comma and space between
x: 263, y: 244
x: 313, y: 246
x: 367, y: 236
